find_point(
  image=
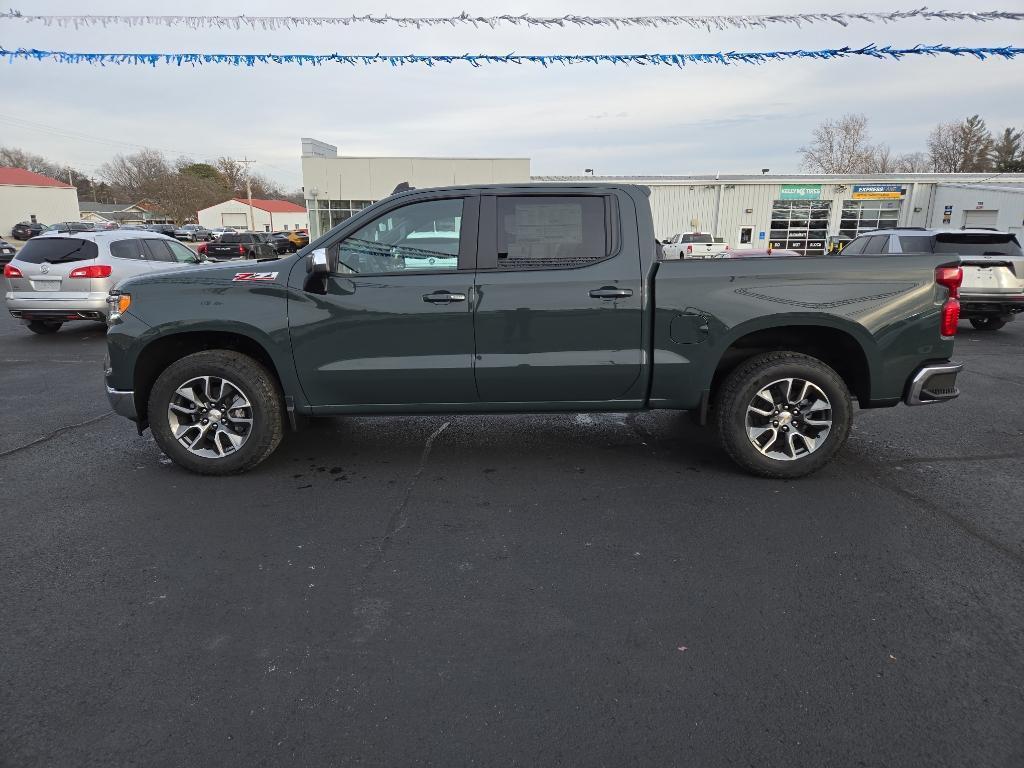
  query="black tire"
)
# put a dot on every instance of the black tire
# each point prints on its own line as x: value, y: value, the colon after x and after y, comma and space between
x: 259, y: 387
x: 988, y: 323
x: 743, y: 385
x: 44, y: 327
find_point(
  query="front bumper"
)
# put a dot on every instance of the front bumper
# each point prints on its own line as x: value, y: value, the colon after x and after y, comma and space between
x: 123, y: 403
x: 934, y: 383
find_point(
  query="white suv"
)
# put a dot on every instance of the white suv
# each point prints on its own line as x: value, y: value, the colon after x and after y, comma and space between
x: 61, y: 277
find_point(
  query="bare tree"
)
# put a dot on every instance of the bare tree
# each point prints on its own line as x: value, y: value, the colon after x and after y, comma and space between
x: 880, y: 160
x: 964, y: 146
x: 144, y: 174
x: 913, y: 162
x: 839, y: 146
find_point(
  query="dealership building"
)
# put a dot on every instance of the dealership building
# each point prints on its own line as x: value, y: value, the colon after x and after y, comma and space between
x: 800, y: 212
x: 795, y: 212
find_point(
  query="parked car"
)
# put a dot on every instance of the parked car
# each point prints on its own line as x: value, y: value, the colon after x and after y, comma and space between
x: 66, y: 227
x: 6, y: 251
x: 241, y: 245
x: 25, y: 230
x: 193, y: 232
x: 163, y: 229
x: 217, y: 232
x: 103, y: 226
x: 299, y: 237
x: 59, y: 277
x: 694, y: 245
x: 576, y: 313
x: 993, y: 263
x: 282, y: 242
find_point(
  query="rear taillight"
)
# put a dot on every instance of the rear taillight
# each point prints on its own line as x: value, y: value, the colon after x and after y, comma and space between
x: 93, y: 270
x: 951, y: 278
x: 728, y: 248
x: 689, y: 249
x: 11, y: 271
x: 950, y: 317
x: 241, y: 250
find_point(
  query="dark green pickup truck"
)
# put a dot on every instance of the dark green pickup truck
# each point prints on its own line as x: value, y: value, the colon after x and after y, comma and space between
x: 527, y: 298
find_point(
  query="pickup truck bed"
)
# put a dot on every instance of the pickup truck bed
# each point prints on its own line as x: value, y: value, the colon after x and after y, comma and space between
x: 553, y: 299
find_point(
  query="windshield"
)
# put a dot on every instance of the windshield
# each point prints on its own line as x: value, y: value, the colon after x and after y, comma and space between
x: 57, y: 250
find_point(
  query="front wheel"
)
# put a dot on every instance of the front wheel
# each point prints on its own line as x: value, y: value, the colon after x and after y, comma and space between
x: 783, y: 414
x: 44, y: 327
x: 216, y: 412
x: 988, y: 323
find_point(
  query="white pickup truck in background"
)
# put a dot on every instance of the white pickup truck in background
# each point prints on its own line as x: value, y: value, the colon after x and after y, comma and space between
x: 694, y: 245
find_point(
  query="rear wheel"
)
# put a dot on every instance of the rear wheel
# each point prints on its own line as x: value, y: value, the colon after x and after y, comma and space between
x: 783, y: 414
x: 44, y: 326
x: 989, y: 323
x: 216, y: 412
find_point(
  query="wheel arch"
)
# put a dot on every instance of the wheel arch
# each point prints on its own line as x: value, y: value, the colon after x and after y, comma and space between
x: 163, y: 350
x: 842, y: 346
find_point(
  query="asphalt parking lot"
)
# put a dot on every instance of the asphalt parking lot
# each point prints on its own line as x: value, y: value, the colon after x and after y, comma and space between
x: 591, y: 589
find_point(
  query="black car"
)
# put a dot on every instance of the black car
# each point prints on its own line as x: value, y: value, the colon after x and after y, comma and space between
x: 281, y: 242
x: 26, y: 230
x: 6, y: 251
x: 163, y: 229
x: 66, y: 227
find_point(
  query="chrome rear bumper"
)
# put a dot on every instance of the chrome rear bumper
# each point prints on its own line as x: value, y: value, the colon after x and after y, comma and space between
x: 933, y: 384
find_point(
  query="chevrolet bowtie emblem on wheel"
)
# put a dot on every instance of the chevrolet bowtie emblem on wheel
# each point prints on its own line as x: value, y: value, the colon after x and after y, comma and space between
x: 246, y: 276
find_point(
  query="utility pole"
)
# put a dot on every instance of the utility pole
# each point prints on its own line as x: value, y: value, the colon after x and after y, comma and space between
x: 248, y: 189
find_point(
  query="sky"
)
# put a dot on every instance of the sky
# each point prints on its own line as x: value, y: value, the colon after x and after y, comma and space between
x: 617, y: 120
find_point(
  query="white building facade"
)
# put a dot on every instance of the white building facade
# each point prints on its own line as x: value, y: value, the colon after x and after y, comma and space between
x: 28, y: 196
x: 800, y: 212
x: 262, y: 216
x: 337, y: 186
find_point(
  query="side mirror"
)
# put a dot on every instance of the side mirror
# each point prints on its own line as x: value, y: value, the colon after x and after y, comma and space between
x: 317, y: 263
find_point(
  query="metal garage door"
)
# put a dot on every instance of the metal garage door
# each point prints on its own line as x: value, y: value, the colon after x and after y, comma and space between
x: 237, y: 220
x: 981, y: 219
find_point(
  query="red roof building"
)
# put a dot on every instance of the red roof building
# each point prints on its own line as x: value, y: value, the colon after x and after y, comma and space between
x: 19, y: 177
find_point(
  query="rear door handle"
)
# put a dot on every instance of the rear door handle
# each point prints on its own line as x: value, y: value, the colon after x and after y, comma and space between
x: 443, y: 297
x: 609, y: 292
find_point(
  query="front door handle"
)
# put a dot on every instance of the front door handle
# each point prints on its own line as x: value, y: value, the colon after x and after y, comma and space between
x: 443, y: 297
x: 609, y: 292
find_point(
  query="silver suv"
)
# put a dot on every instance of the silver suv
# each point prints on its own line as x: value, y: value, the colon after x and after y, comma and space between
x: 993, y: 288
x: 61, y: 277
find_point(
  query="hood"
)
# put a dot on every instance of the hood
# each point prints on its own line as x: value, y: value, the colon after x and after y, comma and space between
x: 215, y: 273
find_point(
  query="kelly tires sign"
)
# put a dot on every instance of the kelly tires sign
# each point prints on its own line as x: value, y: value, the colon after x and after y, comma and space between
x: 800, y: 192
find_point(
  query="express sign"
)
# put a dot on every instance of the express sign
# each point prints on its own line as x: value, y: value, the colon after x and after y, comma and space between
x: 877, y: 192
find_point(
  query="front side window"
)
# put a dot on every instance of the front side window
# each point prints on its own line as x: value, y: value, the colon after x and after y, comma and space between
x: 158, y: 250
x: 551, y: 232
x: 416, y: 237
x: 855, y: 247
x: 182, y: 254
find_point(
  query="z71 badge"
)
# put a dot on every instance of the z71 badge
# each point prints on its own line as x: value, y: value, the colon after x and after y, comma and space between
x: 246, y: 276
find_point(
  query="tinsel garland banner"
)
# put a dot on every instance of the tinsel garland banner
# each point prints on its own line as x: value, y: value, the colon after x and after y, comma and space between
x: 707, y: 23
x: 477, y: 60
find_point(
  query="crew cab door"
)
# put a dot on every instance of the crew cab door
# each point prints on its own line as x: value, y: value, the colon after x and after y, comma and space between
x: 558, y: 298
x: 395, y: 325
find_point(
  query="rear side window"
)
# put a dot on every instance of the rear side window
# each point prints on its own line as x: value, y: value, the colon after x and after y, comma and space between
x: 57, y: 250
x: 915, y: 244
x: 877, y: 244
x: 127, y: 249
x: 968, y: 244
x: 551, y: 232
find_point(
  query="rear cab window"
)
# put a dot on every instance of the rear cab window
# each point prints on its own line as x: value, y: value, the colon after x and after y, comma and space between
x: 552, y: 232
x: 57, y: 250
x: 233, y: 238
x: 697, y: 238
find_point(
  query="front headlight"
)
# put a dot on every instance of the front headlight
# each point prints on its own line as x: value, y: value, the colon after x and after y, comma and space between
x: 119, y: 303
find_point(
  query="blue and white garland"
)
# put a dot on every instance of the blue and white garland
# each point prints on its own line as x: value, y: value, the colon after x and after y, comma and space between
x: 708, y: 23
x: 477, y: 60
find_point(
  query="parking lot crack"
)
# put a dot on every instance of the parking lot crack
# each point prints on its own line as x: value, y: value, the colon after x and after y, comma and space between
x: 55, y: 433
x: 400, y: 518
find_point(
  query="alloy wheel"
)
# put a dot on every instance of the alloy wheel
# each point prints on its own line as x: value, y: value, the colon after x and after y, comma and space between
x: 210, y: 416
x: 789, y: 419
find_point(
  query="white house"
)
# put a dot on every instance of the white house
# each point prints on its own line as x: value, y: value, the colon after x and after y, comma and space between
x: 28, y: 196
x: 264, y: 216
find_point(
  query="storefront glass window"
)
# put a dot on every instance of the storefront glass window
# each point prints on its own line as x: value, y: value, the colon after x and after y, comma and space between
x: 860, y: 216
x: 800, y: 225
